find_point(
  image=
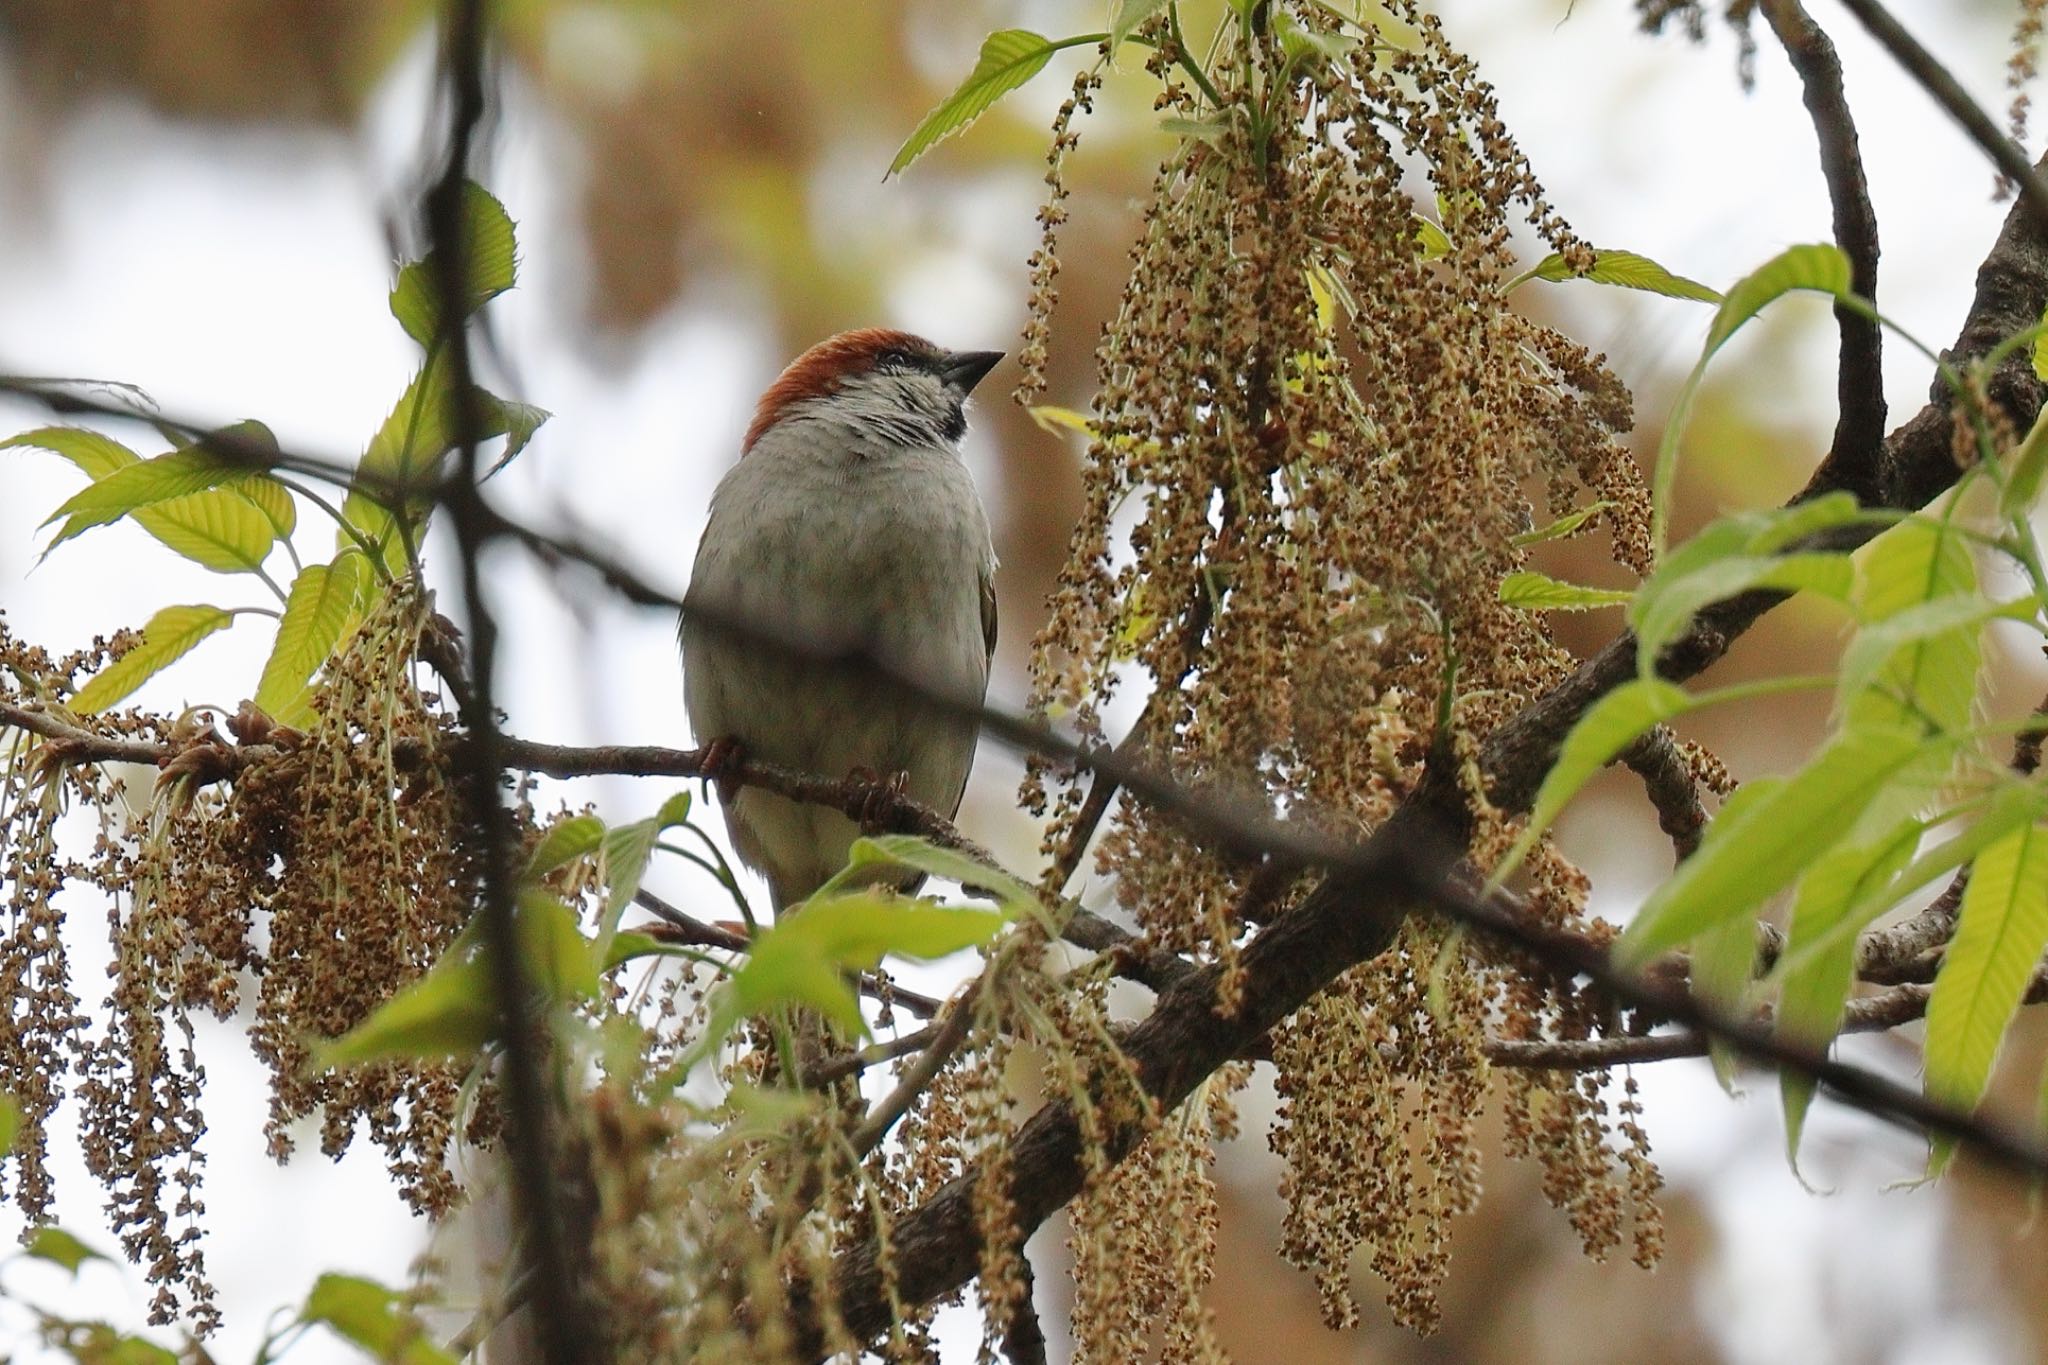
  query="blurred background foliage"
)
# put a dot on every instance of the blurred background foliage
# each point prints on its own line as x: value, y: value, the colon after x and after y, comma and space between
x: 710, y: 152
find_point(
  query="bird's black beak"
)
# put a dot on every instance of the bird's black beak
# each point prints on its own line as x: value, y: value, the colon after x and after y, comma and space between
x: 964, y: 369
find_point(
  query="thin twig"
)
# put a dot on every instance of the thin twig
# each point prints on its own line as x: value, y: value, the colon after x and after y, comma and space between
x: 953, y: 1030
x: 830, y: 1069
x: 1859, y: 384
x: 566, y: 1333
x: 678, y: 926
x: 1950, y: 95
x: 1887, y: 1009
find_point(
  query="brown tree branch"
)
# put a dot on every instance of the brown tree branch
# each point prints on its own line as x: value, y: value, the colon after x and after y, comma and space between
x: 1934, y: 78
x: 952, y: 1032
x: 1670, y: 786
x: 1859, y: 423
x: 1869, y: 1014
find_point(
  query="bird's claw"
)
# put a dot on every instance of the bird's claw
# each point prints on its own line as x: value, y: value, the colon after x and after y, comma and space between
x: 716, y: 765
x: 879, y: 799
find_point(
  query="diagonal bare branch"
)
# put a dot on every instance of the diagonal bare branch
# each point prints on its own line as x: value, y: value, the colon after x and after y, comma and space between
x: 1853, y: 457
x: 1935, y: 79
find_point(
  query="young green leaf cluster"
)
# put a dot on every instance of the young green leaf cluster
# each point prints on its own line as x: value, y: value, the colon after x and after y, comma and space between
x: 1902, y: 791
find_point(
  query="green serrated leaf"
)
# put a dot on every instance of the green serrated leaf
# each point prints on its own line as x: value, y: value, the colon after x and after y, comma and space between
x: 419, y: 429
x: 220, y: 529
x: 802, y: 959
x: 452, y: 1010
x: 2012, y: 804
x: 1824, y: 268
x: 10, y: 1122
x: 1745, y: 860
x: 1947, y: 626
x: 559, y: 960
x: 626, y: 851
x: 1757, y: 534
x: 95, y: 455
x: 2029, y: 462
x: 1723, y: 960
x: 910, y: 851
x: 2000, y: 936
x: 273, y: 500
x: 58, y: 1247
x: 449, y: 1012
x: 1564, y: 526
x: 168, y: 636
x: 1930, y: 679
x: 409, y: 448
x: 1532, y: 591
x: 1812, y: 998
x: 1821, y: 268
x: 563, y: 843
x: 142, y: 484
x: 372, y: 1317
x: 372, y: 520
x: 1008, y: 58
x: 317, y: 613
x: 1667, y: 603
x: 490, y: 259
x: 1610, y: 725
x: 675, y: 810
x: 1691, y: 574
x: 1626, y: 270
x: 629, y: 944
x: 517, y: 421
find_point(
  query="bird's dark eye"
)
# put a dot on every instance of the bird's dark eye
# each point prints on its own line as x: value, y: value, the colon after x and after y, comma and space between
x: 893, y: 359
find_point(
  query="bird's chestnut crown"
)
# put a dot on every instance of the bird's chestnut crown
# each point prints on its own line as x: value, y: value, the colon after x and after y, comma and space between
x: 891, y: 385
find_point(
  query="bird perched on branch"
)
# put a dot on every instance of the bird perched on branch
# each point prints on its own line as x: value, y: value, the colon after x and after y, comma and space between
x: 846, y: 551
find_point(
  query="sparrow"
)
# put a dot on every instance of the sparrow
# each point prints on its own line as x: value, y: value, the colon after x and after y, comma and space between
x: 849, y: 531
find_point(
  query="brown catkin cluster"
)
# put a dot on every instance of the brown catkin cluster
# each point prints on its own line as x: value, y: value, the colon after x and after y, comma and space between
x: 42, y: 1025
x: 139, y: 1080
x: 2023, y: 64
x: 1312, y: 444
x: 713, y: 1229
x: 1599, y: 1173
x: 1044, y: 263
x: 372, y: 884
x: 331, y: 869
x: 1382, y: 1078
x: 1320, y: 429
x: 1143, y: 1238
